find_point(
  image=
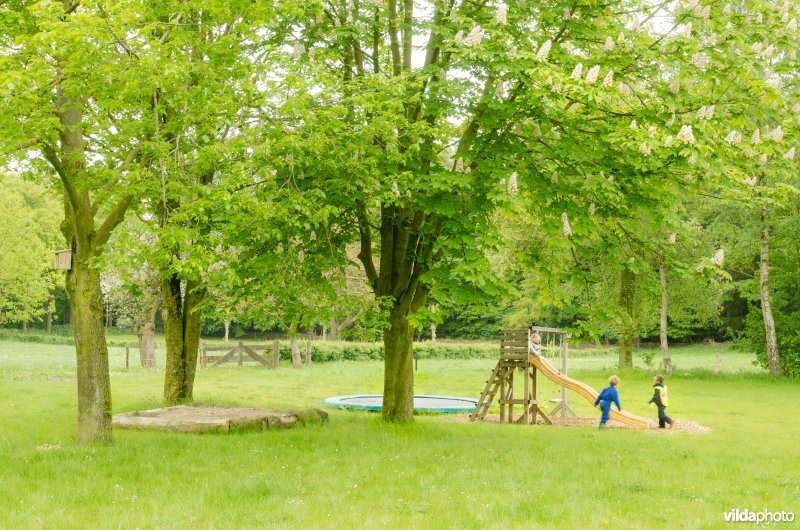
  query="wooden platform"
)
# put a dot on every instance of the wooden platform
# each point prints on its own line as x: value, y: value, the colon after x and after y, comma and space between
x: 200, y: 418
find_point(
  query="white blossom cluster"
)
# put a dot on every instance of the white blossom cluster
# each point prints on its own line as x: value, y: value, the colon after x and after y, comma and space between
x: 592, y: 209
x: 668, y: 141
x: 544, y: 50
x: 608, y: 80
x: 751, y: 181
x: 576, y: 73
x: 756, y: 138
x: 686, y: 135
x: 460, y: 165
x: 789, y: 154
x: 298, y: 50
x: 687, y: 30
x: 513, y: 188
x: 501, y: 16
x: 700, y: 60
x: 777, y: 134
x: 719, y: 257
x: 591, y: 75
x: 644, y: 149
x: 475, y: 36
x: 609, y: 43
x: 705, y: 112
x: 672, y: 238
x: 734, y: 137
x: 675, y: 86
x: 395, y: 189
x: 773, y: 80
x: 565, y: 224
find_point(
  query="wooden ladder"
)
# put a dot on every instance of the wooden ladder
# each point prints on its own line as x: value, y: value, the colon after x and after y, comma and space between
x: 489, y: 392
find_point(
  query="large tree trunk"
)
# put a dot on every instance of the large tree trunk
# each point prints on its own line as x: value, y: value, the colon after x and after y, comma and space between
x: 94, y: 385
x: 146, y: 330
x: 182, y: 336
x: 626, y: 298
x: 398, y: 380
x: 662, y: 271
x: 227, y: 324
x: 773, y: 355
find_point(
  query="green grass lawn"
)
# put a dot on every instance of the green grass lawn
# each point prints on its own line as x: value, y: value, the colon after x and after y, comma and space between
x: 359, y: 472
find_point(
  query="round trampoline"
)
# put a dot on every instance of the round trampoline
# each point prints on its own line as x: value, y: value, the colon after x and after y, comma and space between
x: 374, y: 402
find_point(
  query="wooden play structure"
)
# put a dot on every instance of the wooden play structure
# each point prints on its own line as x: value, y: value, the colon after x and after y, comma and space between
x: 516, y: 370
x: 524, y: 352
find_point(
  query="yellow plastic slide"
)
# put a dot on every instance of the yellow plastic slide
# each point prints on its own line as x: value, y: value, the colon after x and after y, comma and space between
x: 588, y: 393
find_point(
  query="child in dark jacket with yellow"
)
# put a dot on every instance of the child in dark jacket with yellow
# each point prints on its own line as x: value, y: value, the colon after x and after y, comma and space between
x: 661, y: 399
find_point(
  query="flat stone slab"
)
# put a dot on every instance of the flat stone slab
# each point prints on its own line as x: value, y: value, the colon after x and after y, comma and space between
x: 200, y: 417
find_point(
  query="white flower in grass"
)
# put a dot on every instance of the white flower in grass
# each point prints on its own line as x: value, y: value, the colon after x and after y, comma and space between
x: 298, y: 50
x: 565, y: 224
x: 459, y: 38
x: 668, y: 141
x: 644, y: 149
x: 609, y: 43
x: 700, y: 60
x: 591, y: 75
x: 460, y: 165
x: 576, y: 73
x: 475, y: 36
x: 777, y: 134
x: 734, y: 137
x: 789, y: 154
x: 672, y: 237
x: 792, y: 25
x: 608, y: 80
x: 501, y: 15
x: 512, y: 184
x: 591, y: 209
x: 756, y: 138
x: 719, y: 258
x: 686, y: 135
x: 395, y: 189
x: 751, y: 181
x: 675, y: 86
x: 687, y: 30
x: 544, y: 50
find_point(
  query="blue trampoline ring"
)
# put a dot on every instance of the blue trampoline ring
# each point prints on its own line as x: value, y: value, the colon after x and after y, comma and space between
x: 374, y: 402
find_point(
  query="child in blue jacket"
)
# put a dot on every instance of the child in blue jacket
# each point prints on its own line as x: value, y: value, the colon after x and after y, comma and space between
x: 607, y: 396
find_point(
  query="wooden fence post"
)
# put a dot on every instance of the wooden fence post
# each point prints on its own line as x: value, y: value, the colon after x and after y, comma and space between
x: 241, y: 353
x: 308, y: 351
x: 276, y: 353
x: 202, y: 354
x: 127, y: 357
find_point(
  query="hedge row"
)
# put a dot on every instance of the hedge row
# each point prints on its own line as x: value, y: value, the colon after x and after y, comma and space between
x: 323, y: 352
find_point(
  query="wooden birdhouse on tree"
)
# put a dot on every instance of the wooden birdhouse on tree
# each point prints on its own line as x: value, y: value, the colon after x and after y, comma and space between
x: 63, y: 260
